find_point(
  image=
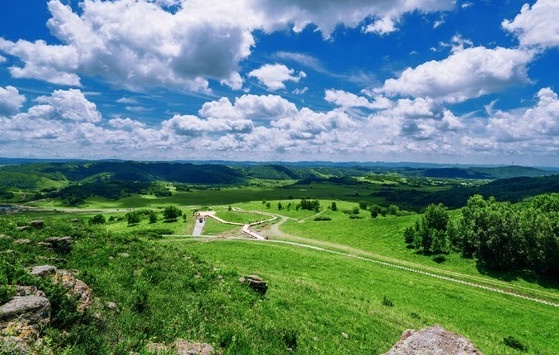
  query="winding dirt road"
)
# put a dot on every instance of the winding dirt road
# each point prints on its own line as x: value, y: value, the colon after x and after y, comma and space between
x: 272, y: 232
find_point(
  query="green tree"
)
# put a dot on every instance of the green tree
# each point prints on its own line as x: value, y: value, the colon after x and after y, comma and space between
x: 171, y: 213
x: 375, y: 210
x: 133, y: 217
x: 97, y: 219
x: 152, y: 216
x: 334, y: 207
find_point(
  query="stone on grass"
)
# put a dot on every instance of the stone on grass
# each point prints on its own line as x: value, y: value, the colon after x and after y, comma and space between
x: 74, y: 288
x: 43, y: 270
x: 433, y: 340
x: 24, y: 316
x: 181, y: 347
x: 256, y: 283
x: 22, y: 241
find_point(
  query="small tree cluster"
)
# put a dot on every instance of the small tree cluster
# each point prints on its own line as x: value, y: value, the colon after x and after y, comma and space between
x: 500, y: 235
x: 311, y: 205
x: 429, y: 234
x: 171, y: 213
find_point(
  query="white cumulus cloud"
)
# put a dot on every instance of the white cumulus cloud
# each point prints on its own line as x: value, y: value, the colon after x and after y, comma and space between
x: 11, y: 100
x: 274, y: 76
x: 181, y: 45
x: 465, y: 74
x: 536, y: 25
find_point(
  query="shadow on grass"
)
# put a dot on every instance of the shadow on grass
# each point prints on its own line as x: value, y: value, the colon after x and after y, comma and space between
x: 548, y: 282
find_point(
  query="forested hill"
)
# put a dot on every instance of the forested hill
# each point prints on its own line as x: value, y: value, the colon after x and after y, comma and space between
x: 23, y: 173
x: 513, y: 190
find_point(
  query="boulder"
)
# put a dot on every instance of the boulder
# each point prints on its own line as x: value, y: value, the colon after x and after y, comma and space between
x: 433, y: 340
x: 23, y: 228
x: 256, y: 283
x: 184, y: 347
x: 24, y: 316
x: 26, y: 310
x: 13, y: 345
x: 181, y: 347
x: 74, y: 288
x: 22, y: 241
x: 28, y: 291
x: 43, y: 270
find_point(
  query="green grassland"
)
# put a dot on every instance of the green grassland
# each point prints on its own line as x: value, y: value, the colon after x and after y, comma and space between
x: 169, y: 285
x: 327, y: 295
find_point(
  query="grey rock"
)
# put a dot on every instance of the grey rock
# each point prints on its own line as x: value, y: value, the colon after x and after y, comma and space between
x: 13, y: 345
x: 43, y: 270
x: 433, y: 340
x: 22, y: 241
x: 26, y: 310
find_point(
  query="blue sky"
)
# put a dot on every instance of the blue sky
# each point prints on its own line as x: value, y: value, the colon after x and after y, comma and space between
x: 471, y: 82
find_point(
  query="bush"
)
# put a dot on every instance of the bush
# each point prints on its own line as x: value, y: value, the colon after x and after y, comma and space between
x: 386, y: 302
x: 514, y: 343
x: 97, y: 219
x: 171, y: 213
x: 322, y: 218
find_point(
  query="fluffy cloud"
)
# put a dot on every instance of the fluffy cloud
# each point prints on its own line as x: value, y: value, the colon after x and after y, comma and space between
x: 538, y: 122
x: 10, y: 100
x: 536, y: 25
x: 254, y: 107
x: 349, y: 100
x: 134, y: 44
x: 382, y: 26
x: 192, y: 126
x: 274, y: 76
x: 465, y: 74
x: 70, y: 105
x: 328, y: 14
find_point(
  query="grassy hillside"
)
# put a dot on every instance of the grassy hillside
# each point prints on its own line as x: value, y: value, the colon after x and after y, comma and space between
x: 318, y: 302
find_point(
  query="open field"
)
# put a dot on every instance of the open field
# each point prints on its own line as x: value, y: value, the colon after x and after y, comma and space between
x: 353, y: 293
x: 328, y: 295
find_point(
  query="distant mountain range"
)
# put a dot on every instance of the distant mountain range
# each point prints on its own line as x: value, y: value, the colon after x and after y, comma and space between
x: 214, y: 172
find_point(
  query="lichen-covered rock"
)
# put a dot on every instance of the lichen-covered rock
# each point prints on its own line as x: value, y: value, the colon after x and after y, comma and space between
x: 13, y: 345
x: 24, y: 316
x: 433, y: 341
x: 75, y: 288
x: 184, y: 347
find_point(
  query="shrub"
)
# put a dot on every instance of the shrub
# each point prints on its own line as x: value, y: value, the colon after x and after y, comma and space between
x: 171, y: 213
x: 386, y: 302
x: 322, y: 218
x: 97, y: 219
x: 514, y: 343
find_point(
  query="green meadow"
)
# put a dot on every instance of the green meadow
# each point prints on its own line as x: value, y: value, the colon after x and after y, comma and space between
x: 336, y: 277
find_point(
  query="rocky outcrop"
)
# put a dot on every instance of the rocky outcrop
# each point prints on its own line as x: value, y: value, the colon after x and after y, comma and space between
x: 181, y: 347
x: 256, y: 283
x: 74, y: 288
x: 24, y: 316
x: 43, y: 270
x: 433, y: 341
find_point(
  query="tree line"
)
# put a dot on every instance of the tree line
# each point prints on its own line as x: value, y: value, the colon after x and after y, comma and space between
x: 501, y: 236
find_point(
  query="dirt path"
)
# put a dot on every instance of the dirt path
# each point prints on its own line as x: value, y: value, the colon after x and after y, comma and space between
x: 273, y: 231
